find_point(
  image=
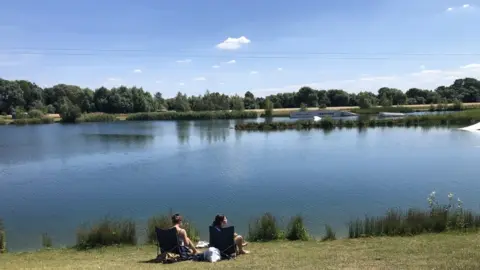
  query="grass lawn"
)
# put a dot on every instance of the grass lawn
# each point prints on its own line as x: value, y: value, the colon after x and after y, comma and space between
x: 439, y: 251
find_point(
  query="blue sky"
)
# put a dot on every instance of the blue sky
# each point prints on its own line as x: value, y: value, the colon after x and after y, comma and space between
x: 264, y: 46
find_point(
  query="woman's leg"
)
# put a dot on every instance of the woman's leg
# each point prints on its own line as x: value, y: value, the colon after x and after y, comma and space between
x: 240, y: 244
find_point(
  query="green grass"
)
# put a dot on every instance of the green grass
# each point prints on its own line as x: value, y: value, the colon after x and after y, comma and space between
x: 439, y: 251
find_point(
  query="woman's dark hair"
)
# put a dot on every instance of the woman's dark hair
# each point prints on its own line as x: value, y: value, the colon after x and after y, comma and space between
x: 176, y: 219
x: 218, y: 220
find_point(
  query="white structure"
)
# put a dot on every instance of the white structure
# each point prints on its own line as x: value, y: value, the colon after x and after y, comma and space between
x: 475, y: 127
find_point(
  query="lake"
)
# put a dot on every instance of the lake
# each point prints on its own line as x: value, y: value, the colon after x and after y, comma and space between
x: 55, y: 177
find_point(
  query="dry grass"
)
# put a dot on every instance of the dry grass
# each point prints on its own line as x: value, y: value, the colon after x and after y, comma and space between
x: 440, y: 251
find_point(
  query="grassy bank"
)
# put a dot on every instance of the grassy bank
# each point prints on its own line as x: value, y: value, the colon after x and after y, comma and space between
x: 156, y: 116
x: 439, y: 251
x: 463, y: 118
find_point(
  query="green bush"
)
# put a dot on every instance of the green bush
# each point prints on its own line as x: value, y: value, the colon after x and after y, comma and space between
x: 329, y: 234
x: 46, y: 241
x: 3, y: 239
x: 97, y: 117
x: 296, y: 229
x: 264, y: 229
x: 3, y: 122
x: 107, y: 232
x: 35, y: 114
x: 70, y: 113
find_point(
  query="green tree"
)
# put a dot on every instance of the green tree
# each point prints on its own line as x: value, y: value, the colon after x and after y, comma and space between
x: 237, y: 103
x: 11, y: 95
x: 268, y: 108
x: 181, y: 103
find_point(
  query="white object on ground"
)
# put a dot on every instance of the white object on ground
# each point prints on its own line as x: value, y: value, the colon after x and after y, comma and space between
x: 202, y: 244
x: 475, y: 127
x: 212, y: 255
x: 317, y: 118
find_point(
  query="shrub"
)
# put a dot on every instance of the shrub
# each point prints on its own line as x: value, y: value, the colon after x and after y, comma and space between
x: 97, y: 117
x: 70, y: 113
x: 46, y: 241
x: 457, y: 105
x: 303, y: 107
x: 107, y: 232
x: 329, y: 234
x: 207, y: 115
x: 35, y: 114
x: 165, y: 222
x: 296, y: 229
x: 264, y: 229
x: 322, y: 106
x: 3, y: 121
x: 33, y: 121
x: 268, y: 108
x: 3, y: 240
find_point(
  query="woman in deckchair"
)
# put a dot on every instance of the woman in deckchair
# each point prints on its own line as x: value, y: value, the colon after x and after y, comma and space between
x: 185, y: 242
x: 220, y: 222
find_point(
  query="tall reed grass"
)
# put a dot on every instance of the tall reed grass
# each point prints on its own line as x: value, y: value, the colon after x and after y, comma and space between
x: 46, y: 241
x: 33, y: 121
x: 97, y: 117
x: 107, y: 232
x: 3, y: 238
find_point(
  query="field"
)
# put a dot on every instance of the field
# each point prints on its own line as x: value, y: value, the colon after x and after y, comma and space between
x: 431, y: 251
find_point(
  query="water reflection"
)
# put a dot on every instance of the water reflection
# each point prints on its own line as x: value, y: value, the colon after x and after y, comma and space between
x: 183, y: 131
x: 129, y: 140
x: 213, y: 131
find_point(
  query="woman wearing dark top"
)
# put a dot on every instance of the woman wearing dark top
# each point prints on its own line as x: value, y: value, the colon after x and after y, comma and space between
x: 220, y: 222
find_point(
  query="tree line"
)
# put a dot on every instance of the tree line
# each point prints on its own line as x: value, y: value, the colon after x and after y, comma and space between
x: 26, y: 95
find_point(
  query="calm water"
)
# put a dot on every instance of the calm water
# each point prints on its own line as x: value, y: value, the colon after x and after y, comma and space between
x: 56, y: 177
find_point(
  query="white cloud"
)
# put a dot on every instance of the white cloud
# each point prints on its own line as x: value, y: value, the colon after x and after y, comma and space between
x: 158, y: 81
x: 113, y: 79
x: 253, y: 72
x: 466, y: 6
x: 279, y: 69
x: 137, y: 71
x: 449, y: 9
x: 216, y: 66
x: 181, y: 84
x: 184, y: 61
x: 231, y: 62
x: 422, y: 67
x: 471, y: 66
x: 200, y: 79
x: 221, y: 83
x: 233, y: 43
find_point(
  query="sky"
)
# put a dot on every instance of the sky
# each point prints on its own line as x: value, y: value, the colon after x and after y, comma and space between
x: 262, y: 46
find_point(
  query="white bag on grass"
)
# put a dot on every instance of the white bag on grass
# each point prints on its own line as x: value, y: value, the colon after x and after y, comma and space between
x: 212, y: 255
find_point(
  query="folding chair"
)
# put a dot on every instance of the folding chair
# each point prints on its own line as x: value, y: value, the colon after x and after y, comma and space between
x: 224, y: 240
x: 167, y: 241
